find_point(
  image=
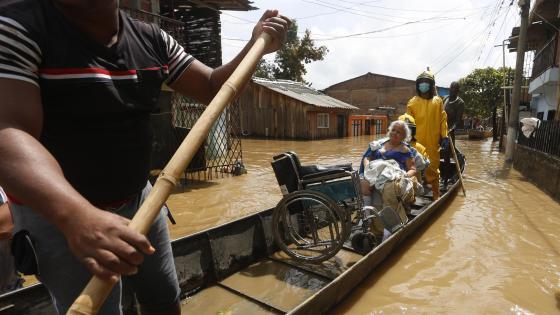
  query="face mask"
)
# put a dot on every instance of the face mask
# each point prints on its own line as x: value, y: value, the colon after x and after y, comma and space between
x: 424, y: 87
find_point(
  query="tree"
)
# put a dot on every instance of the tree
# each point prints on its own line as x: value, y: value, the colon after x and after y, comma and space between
x: 264, y: 70
x: 483, y: 94
x: 291, y: 59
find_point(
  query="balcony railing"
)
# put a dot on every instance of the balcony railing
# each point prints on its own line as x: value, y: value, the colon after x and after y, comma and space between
x: 172, y: 27
x: 545, y: 58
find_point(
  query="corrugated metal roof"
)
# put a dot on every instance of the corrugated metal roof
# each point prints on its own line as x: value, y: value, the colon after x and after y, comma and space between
x: 303, y: 93
x: 234, y: 5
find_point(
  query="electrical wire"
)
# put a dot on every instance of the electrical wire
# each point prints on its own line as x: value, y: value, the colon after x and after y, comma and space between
x: 488, y: 26
x: 498, y: 33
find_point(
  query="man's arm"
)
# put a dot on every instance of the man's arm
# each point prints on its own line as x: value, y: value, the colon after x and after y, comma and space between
x: 99, y: 239
x: 460, y: 112
x: 443, y: 121
x: 202, y: 82
x: 410, y: 167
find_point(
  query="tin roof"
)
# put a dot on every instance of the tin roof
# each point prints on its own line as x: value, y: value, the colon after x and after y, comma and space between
x: 234, y: 5
x: 303, y: 93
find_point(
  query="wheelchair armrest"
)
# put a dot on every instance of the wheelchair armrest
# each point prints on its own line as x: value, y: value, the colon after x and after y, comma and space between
x: 346, y: 167
x: 307, y: 170
x: 330, y: 174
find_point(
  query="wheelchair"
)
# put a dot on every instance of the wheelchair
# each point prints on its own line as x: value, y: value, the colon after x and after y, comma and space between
x: 321, y: 210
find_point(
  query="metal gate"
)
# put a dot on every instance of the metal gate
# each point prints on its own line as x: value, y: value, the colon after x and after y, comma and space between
x: 221, y: 152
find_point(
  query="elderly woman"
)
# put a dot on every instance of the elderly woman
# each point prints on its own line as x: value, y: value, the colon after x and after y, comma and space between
x: 395, y: 148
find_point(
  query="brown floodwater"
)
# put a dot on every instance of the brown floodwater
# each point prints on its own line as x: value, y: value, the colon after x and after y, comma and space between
x: 203, y: 204
x: 494, y: 252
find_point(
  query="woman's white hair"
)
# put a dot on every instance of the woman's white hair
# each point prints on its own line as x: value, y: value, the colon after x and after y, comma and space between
x: 405, y: 127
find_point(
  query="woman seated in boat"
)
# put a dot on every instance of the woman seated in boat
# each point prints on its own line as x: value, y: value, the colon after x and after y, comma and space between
x: 388, y: 167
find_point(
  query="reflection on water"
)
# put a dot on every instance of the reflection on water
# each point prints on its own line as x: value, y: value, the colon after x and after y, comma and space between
x: 496, y: 251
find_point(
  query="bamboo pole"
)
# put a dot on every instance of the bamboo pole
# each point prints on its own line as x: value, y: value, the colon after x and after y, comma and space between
x: 457, y: 166
x: 91, y: 299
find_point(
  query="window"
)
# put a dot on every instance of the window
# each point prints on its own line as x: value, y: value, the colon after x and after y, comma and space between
x: 322, y: 120
x: 378, y: 124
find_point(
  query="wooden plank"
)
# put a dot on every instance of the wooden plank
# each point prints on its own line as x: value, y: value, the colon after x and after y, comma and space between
x: 217, y: 300
x: 331, y: 268
x: 275, y: 284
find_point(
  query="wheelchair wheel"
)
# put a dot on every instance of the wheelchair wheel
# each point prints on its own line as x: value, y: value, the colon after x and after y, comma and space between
x: 309, y: 226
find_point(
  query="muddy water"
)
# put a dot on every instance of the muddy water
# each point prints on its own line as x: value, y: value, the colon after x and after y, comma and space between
x: 494, y: 252
x: 205, y: 204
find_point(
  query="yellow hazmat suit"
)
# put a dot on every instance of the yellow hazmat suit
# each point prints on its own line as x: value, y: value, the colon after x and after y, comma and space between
x: 431, y: 127
x: 422, y: 151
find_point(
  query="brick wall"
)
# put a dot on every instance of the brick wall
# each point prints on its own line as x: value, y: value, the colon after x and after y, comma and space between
x: 373, y: 90
x: 541, y: 168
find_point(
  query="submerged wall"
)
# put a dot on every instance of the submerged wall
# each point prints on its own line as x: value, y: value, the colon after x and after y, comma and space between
x: 541, y: 168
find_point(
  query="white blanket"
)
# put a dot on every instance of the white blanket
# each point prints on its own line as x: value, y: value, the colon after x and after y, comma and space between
x: 380, y: 171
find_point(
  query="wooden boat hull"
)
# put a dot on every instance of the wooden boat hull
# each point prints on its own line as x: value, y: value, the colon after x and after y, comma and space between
x: 212, y: 257
x: 479, y: 134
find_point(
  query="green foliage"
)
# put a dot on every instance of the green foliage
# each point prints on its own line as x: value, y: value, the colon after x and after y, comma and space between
x: 482, y: 91
x: 264, y: 70
x: 291, y: 59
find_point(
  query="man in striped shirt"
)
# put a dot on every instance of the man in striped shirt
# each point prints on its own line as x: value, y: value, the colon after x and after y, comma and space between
x: 78, y: 80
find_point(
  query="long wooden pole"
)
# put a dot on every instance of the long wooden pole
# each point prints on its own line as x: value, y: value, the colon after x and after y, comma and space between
x: 457, y: 166
x: 513, y: 121
x: 91, y: 299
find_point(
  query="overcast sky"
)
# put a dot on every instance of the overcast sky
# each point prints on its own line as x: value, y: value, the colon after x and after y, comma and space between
x: 392, y: 37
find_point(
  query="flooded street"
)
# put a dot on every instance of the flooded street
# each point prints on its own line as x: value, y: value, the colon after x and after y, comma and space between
x: 494, y: 252
x: 209, y: 203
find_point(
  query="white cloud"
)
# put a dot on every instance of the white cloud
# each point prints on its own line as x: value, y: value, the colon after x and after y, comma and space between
x: 401, y: 52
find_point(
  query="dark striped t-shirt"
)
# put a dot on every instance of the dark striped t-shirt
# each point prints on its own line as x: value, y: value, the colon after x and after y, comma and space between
x: 96, y: 100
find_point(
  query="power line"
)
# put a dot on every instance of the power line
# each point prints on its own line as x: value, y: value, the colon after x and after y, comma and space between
x: 490, y: 28
x: 498, y: 33
x: 423, y: 11
x: 464, y: 48
x: 350, y: 10
x: 452, y: 59
x: 356, y: 35
x: 457, y: 45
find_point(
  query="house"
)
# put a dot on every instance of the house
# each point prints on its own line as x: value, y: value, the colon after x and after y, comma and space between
x: 543, y: 39
x: 371, y: 91
x: 367, y: 125
x: 286, y: 109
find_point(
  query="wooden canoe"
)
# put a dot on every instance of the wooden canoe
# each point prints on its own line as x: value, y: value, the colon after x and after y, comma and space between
x: 479, y: 134
x: 211, y: 263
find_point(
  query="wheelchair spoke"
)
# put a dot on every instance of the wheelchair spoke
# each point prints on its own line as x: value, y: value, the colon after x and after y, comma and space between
x: 312, y: 226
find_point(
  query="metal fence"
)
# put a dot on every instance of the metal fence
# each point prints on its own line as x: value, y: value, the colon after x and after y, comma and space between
x: 172, y: 27
x: 221, y: 153
x: 222, y: 149
x: 546, y: 138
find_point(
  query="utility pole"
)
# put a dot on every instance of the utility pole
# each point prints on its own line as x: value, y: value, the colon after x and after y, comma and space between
x: 505, y: 111
x: 513, y: 123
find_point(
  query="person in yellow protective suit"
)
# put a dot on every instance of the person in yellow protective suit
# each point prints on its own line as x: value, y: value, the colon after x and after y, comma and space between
x: 431, y: 124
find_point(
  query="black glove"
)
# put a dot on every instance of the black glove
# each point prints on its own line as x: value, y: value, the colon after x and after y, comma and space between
x: 444, y: 144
